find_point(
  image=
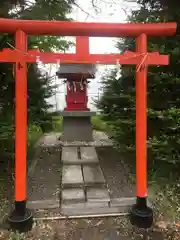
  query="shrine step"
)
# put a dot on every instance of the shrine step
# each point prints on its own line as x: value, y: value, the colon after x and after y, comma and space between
x: 97, y: 195
x: 93, y: 176
x: 98, y: 203
x: 79, y: 155
x: 77, y: 176
x: 70, y: 155
x: 114, y: 207
x: 81, y: 210
x: 82, y: 195
x: 88, y: 155
x: 72, y: 176
x: 93, y: 210
x: 72, y: 195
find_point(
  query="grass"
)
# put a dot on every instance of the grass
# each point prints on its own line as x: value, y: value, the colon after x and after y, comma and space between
x: 3, y: 197
x: 99, y: 124
x: 163, y: 189
x: 34, y: 133
x: 57, y: 123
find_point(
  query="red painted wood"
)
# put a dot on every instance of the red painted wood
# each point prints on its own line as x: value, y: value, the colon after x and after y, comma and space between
x: 82, y: 47
x: 141, y: 122
x: 21, y: 119
x: 60, y: 28
x: 76, y: 100
x: 8, y: 55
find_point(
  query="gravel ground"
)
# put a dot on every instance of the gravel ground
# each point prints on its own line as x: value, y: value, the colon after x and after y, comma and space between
x: 44, y: 179
x: 92, y: 229
x: 116, y: 173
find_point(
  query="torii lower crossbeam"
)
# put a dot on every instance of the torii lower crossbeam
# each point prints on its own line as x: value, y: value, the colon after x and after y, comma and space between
x: 128, y: 58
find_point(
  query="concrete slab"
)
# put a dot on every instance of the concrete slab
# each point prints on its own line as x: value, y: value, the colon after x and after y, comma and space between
x: 49, y: 140
x: 83, y: 206
x: 119, y: 202
x: 77, y: 113
x: 43, y: 204
x: 66, y: 213
x: 98, y: 195
x: 98, y: 211
x: 69, y: 155
x: 72, y: 175
x: 89, y: 155
x: 93, y: 175
x: 72, y: 195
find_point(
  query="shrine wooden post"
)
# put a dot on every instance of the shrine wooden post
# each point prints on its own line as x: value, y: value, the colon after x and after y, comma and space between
x: 141, y: 214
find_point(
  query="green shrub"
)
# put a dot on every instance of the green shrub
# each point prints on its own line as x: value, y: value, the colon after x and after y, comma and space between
x: 57, y: 123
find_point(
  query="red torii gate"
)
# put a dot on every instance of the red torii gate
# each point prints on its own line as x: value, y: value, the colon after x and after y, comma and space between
x: 21, y: 217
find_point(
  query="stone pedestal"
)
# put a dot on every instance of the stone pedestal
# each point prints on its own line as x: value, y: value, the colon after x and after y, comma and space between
x: 77, y: 126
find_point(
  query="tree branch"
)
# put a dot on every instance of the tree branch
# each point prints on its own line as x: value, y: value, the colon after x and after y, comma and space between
x: 88, y: 14
x: 96, y: 8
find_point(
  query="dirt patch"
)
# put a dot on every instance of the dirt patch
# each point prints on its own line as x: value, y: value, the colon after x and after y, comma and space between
x: 92, y: 229
x: 116, y: 173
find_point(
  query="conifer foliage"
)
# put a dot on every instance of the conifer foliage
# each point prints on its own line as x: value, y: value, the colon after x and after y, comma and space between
x: 39, y: 87
x: 118, y: 100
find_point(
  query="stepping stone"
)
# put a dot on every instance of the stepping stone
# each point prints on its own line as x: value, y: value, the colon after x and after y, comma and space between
x: 93, y: 175
x: 72, y: 175
x: 69, y: 155
x: 98, y: 195
x: 75, y: 195
x: 89, y: 155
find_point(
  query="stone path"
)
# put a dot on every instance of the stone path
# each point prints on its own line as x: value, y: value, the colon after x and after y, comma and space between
x: 83, y: 182
x: 71, y: 180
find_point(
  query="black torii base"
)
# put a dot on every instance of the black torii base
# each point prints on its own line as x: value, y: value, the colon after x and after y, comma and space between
x: 141, y: 215
x: 21, y: 218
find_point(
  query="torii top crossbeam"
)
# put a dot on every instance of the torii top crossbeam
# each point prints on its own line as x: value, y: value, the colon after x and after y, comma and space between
x: 82, y: 31
x: 62, y: 28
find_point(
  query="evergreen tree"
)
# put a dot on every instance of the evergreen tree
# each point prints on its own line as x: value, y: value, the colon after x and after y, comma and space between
x: 39, y: 88
x: 163, y: 90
